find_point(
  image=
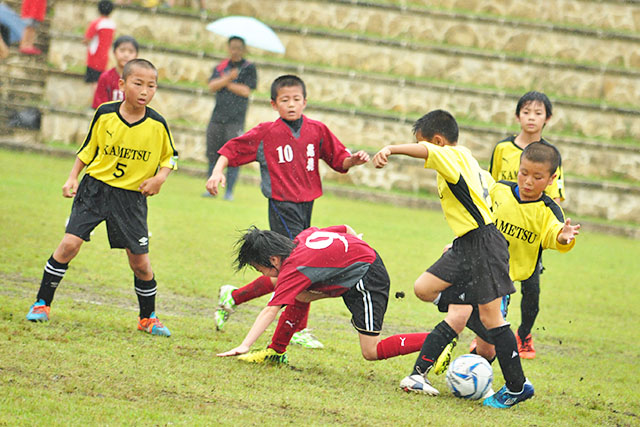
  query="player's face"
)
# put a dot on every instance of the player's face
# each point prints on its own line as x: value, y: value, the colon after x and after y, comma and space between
x: 290, y: 102
x: 236, y: 50
x: 272, y: 271
x: 125, y: 53
x: 533, y: 178
x: 533, y: 117
x: 139, y: 87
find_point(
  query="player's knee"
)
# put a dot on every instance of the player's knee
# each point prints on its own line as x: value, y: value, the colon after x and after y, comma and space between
x: 370, y: 353
x: 422, y: 292
x: 68, y: 248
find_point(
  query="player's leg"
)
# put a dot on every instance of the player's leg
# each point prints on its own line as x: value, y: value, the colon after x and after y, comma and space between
x: 428, y: 287
x: 529, y: 308
x: 517, y: 387
x: 83, y: 219
x: 146, y: 289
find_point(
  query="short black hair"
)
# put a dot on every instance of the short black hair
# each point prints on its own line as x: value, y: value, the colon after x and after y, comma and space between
x: 137, y: 62
x: 105, y: 7
x: 542, y: 152
x: 437, y: 122
x: 125, y: 39
x: 256, y: 246
x: 287, y: 80
x: 232, y: 38
x: 534, y: 96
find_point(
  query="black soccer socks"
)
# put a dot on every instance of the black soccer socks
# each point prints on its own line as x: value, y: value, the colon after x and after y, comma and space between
x: 53, y: 274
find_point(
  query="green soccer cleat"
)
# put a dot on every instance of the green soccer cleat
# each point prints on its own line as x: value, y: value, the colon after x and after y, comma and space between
x: 306, y: 339
x: 267, y: 355
x: 226, y: 306
x: 441, y: 365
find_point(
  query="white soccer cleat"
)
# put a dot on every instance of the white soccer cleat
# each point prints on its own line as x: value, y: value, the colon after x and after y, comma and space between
x: 418, y: 384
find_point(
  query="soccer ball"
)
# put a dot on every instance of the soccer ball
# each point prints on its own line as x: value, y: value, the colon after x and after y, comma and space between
x: 469, y: 376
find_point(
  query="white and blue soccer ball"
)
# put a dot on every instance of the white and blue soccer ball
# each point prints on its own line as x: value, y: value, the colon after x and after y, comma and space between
x: 469, y: 376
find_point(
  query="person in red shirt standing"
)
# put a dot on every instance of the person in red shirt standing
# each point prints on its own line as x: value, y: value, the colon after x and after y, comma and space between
x: 125, y: 48
x: 98, y: 38
x: 320, y: 263
x: 289, y: 151
x: 33, y: 12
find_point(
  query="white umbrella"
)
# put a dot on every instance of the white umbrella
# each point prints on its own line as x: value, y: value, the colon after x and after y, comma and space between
x: 254, y: 32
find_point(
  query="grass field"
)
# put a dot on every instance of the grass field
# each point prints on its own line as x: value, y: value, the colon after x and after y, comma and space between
x: 89, y: 365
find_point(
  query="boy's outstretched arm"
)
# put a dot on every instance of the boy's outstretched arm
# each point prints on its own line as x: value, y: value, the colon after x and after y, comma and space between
x: 217, y: 177
x: 359, y: 158
x: 71, y: 186
x: 264, y: 319
x: 418, y: 151
x: 568, y: 232
x: 151, y: 186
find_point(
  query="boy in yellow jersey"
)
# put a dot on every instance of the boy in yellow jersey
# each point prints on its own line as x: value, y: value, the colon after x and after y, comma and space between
x: 478, y: 260
x: 533, y: 112
x: 128, y: 154
x: 530, y: 221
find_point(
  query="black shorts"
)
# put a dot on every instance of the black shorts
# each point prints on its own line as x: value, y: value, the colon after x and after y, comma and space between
x: 92, y: 76
x: 289, y: 218
x: 125, y: 212
x: 367, y: 300
x: 478, y: 264
x: 218, y: 134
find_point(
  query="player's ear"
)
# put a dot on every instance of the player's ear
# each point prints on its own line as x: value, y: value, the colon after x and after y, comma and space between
x: 273, y: 105
x: 551, y: 178
x: 121, y: 84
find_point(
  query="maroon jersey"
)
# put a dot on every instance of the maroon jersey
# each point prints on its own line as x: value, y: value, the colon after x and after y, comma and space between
x: 108, y: 88
x: 326, y: 260
x: 288, y: 160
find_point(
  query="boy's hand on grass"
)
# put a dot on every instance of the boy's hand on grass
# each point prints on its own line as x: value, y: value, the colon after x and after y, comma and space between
x: 241, y: 349
x: 568, y: 232
x: 151, y: 186
x: 381, y: 158
x: 69, y: 188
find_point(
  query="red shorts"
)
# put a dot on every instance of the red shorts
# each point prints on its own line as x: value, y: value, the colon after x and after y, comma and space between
x: 34, y: 9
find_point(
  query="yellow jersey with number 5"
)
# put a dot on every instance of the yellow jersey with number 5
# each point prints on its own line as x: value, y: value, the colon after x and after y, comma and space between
x: 462, y: 187
x: 123, y: 154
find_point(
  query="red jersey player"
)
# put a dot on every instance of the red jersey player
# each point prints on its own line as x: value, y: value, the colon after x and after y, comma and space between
x: 125, y: 48
x: 98, y: 38
x: 289, y: 151
x: 320, y: 263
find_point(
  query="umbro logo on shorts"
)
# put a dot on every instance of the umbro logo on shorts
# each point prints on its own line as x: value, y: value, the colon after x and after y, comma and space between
x: 143, y: 241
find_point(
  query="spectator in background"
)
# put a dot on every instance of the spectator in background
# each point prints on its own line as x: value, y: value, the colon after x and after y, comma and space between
x: 33, y: 12
x: 125, y: 48
x: 98, y: 38
x: 232, y: 81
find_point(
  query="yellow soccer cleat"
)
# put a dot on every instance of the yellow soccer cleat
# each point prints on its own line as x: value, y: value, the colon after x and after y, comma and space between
x: 441, y: 365
x: 268, y: 355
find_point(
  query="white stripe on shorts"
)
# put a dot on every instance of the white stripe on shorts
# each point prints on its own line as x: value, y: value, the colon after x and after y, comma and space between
x: 368, y: 308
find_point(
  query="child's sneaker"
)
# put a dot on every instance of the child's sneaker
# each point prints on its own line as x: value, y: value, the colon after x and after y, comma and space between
x: 268, y: 355
x: 226, y: 306
x: 505, y: 398
x: 418, y: 384
x: 525, y: 347
x: 39, y: 312
x: 441, y: 365
x: 153, y: 326
x: 306, y: 339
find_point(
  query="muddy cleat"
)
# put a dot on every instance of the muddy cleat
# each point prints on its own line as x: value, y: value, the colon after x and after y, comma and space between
x: 39, y: 312
x: 418, y: 384
x: 441, y: 365
x: 226, y: 306
x: 505, y: 398
x: 268, y: 355
x: 153, y: 326
x: 525, y: 347
x: 306, y: 339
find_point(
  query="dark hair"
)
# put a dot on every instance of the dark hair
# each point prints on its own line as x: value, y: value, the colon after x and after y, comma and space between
x: 125, y: 39
x: 542, y: 152
x: 437, y: 122
x: 139, y: 62
x: 534, y: 96
x: 287, y: 80
x: 232, y: 38
x: 256, y: 246
x: 105, y: 7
